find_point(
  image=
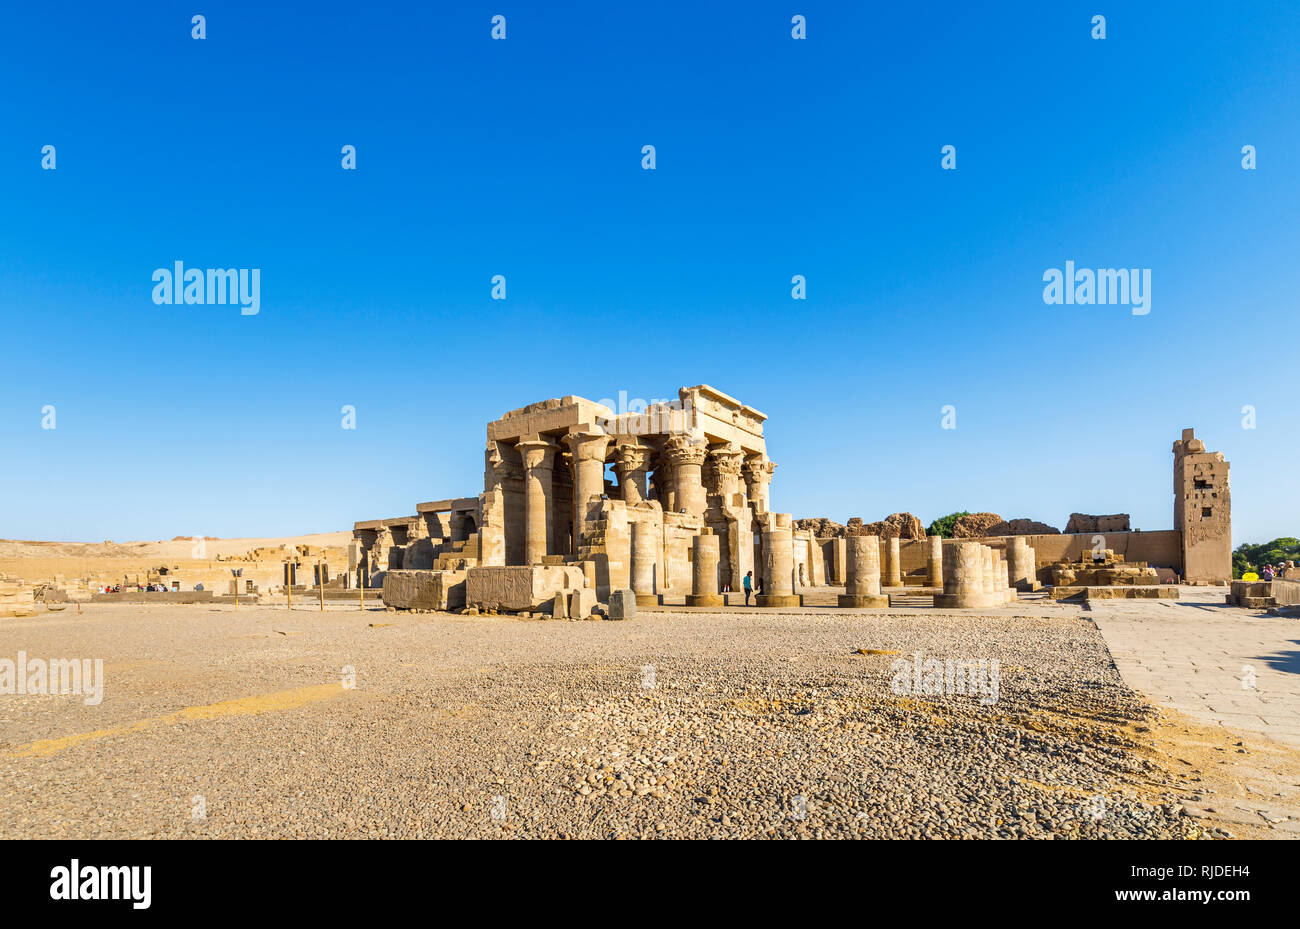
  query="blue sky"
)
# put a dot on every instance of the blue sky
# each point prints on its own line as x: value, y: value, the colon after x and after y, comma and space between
x: 522, y: 157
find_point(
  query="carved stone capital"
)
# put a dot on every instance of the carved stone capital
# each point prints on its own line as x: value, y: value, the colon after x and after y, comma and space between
x: 681, y: 451
x: 726, y: 460
x: 588, y: 446
x: 759, y: 469
x: 628, y: 458
x: 538, y: 454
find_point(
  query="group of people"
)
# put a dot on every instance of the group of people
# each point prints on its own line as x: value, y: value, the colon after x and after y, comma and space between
x: 1269, y: 572
x: 140, y: 588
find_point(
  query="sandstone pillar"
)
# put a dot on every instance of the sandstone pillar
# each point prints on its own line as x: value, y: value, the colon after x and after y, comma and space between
x: 539, y: 463
x: 839, y: 561
x: 646, y: 541
x: 724, y: 468
x: 504, y: 472
x: 1003, y: 589
x: 704, y: 571
x: 758, y: 478
x: 986, y: 554
x: 778, y: 563
x: 1020, y: 565
x: 630, y: 464
x: 893, y: 564
x: 687, y: 461
x: 661, y: 479
x: 588, y: 450
x: 380, y: 555
x: 863, y: 584
x: 934, y: 562
x: 963, y: 576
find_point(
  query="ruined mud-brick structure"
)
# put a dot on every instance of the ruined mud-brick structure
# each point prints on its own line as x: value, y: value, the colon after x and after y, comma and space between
x: 672, y: 499
x: 1202, y: 511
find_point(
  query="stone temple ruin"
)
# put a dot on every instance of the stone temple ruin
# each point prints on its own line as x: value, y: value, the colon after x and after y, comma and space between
x: 670, y: 504
x: 667, y: 501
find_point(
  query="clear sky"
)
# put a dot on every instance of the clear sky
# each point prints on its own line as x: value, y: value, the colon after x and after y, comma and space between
x: 522, y: 157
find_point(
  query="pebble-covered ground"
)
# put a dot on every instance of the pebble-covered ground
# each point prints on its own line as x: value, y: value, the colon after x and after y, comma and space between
x: 671, y: 724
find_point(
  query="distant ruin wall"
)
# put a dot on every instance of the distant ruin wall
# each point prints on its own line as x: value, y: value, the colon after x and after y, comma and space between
x: 1161, y: 549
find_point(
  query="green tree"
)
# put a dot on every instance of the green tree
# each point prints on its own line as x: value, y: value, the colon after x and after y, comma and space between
x: 1247, y: 557
x: 943, y: 525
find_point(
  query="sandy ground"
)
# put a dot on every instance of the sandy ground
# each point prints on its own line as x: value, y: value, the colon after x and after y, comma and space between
x: 347, y: 724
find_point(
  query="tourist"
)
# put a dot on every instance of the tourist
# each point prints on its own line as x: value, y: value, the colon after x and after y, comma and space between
x: 748, y: 584
x: 1267, y: 573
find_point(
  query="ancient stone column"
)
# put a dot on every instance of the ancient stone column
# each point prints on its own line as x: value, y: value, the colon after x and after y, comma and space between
x: 986, y: 554
x: 630, y: 464
x: 757, y: 473
x: 539, y: 462
x: 1020, y: 567
x: 963, y: 576
x: 863, y: 586
x: 724, y: 467
x: 1004, y: 592
x: 778, y: 563
x: 840, y: 561
x: 646, y: 542
x: 588, y: 450
x: 661, y: 479
x: 893, y: 564
x: 504, y: 472
x: 688, y: 480
x: 380, y: 553
x: 704, y: 571
x: 934, y: 562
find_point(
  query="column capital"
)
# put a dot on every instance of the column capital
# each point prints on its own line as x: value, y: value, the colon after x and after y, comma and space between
x: 630, y: 457
x: 588, y: 445
x: 679, y: 451
x: 727, y: 459
x: 759, y: 468
x: 537, y: 452
x: 498, y: 468
x: 630, y: 464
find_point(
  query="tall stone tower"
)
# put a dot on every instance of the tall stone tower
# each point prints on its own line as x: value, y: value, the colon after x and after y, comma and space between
x: 1202, y: 511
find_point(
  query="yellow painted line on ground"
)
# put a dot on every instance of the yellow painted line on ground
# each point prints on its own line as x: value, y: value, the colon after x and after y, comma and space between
x: 243, y: 706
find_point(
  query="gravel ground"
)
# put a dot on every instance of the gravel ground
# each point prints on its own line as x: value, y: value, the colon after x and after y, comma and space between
x: 672, y: 724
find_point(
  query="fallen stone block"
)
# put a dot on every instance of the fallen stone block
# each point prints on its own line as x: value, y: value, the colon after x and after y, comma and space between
x: 622, y: 604
x: 518, y: 588
x: 581, y: 603
x: 424, y: 590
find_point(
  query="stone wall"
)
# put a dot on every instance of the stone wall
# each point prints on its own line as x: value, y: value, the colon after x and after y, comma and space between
x: 1161, y: 548
x: 1286, y: 593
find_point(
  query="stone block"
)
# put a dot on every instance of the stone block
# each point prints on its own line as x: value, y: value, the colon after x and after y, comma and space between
x: 622, y: 604
x: 1124, y: 592
x: 424, y: 590
x: 581, y: 603
x: 517, y: 588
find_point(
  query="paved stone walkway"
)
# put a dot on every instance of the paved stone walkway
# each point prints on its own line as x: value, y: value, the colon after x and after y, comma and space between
x: 1227, y: 665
